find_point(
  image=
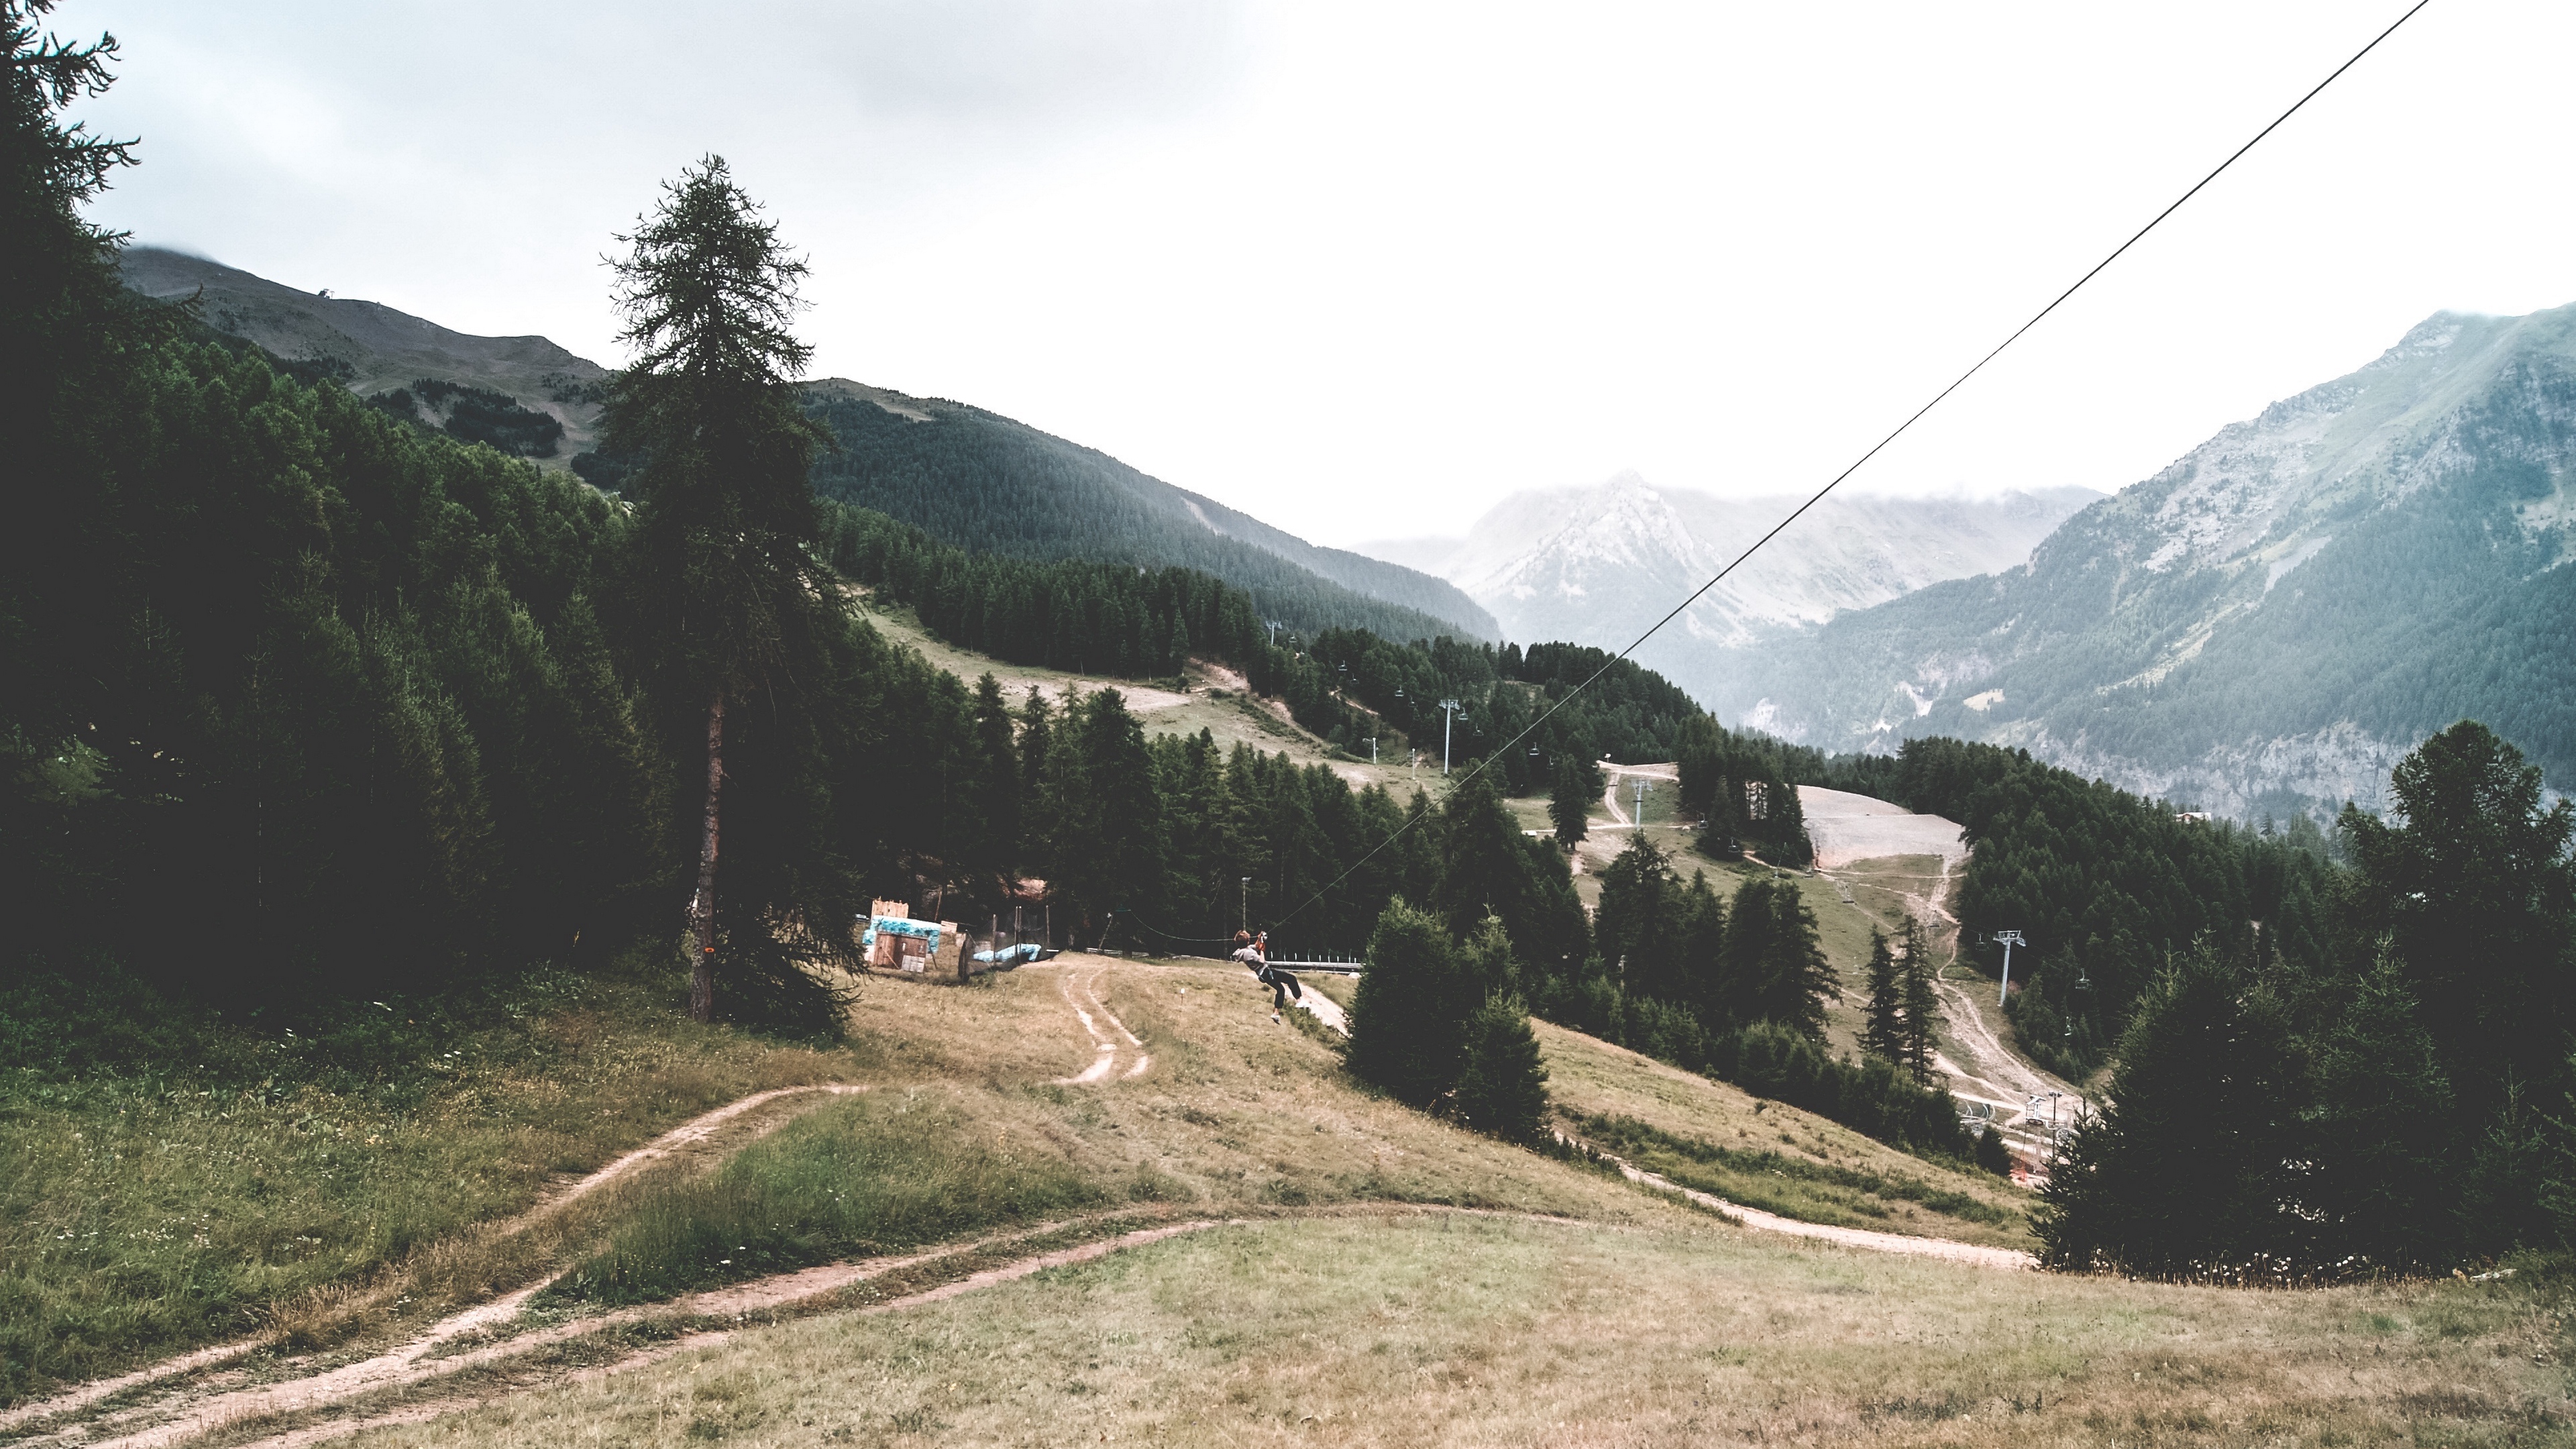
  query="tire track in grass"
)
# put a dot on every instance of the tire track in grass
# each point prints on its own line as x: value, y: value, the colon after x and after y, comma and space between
x: 409, y: 1366
x: 736, y: 1301
x: 1862, y: 1238
x: 696, y: 1130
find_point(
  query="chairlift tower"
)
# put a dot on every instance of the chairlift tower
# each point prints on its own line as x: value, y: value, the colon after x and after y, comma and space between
x: 1450, y: 709
x: 2008, y: 939
x: 1638, y: 818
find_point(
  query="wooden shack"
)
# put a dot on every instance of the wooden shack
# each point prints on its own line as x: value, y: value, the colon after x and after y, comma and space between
x: 894, y: 941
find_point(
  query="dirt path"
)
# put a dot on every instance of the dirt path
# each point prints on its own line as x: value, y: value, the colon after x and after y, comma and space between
x: 493, y: 1339
x: 403, y: 1363
x: 1619, y: 775
x: 411, y: 1367
x: 737, y: 1303
x: 1861, y: 1238
x: 1993, y: 1074
x: 694, y: 1132
x: 1079, y: 981
x: 1326, y: 1010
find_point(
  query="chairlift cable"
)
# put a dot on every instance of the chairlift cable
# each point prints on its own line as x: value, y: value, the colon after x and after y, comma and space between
x: 1878, y: 447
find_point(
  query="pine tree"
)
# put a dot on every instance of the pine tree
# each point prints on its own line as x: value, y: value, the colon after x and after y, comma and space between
x: 2184, y: 1169
x: 1569, y: 805
x: 997, y: 784
x: 1106, y: 821
x: 1883, y: 1031
x: 2382, y: 1124
x: 1409, y: 1019
x: 1920, y: 1003
x: 1992, y: 1154
x: 1482, y: 868
x: 1775, y: 969
x: 1703, y: 951
x: 728, y: 520
x: 1502, y: 1085
x: 1487, y: 956
x: 2477, y: 892
x: 1638, y: 927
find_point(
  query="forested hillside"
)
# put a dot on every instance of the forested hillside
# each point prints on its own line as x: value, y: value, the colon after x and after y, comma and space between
x: 373, y: 349
x: 2107, y: 887
x: 981, y: 482
x: 991, y: 485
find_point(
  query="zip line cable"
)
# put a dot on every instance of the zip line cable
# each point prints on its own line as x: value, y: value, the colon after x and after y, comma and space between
x: 1875, y: 449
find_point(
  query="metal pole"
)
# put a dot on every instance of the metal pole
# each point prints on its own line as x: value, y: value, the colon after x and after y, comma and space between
x: 2009, y: 939
x: 1448, y: 711
x: 1247, y: 903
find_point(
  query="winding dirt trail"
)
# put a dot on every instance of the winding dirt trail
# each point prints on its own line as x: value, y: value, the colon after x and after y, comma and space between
x: 410, y: 1367
x: 494, y: 1340
x: 1863, y: 1238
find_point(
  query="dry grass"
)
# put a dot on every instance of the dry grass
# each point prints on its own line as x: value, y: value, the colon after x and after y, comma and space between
x: 1589, y: 1077
x: 1641, y: 1322
x: 1469, y: 1331
x: 1237, y: 1110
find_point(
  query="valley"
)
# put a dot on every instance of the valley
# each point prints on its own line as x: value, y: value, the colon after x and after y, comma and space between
x: 489, y: 834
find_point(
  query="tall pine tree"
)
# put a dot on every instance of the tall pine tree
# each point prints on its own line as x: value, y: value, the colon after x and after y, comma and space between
x: 1882, y: 1032
x: 1919, y: 1003
x: 708, y: 293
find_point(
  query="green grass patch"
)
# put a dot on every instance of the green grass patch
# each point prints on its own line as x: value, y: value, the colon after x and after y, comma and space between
x: 867, y: 1175
x: 1793, y: 1187
x: 175, y: 1177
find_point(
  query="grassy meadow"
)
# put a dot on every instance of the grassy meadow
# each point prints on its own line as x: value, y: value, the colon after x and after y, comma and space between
x: 231, y: 1180
x: 1411, y: 1331
x: 1346, y: 1300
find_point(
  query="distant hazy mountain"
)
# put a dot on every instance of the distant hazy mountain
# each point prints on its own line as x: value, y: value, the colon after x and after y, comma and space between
x: 2272, y: 620
x: 968, y: 476
x: 1597, y: 565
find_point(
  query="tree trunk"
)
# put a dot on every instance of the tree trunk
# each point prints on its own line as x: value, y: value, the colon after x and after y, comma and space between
x: 702, y: 906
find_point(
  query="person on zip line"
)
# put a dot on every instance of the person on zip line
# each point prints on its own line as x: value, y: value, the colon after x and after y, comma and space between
x: 1255, y: 956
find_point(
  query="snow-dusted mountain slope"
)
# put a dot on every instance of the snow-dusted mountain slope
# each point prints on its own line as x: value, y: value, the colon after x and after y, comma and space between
x: 1596, y: 565
x: 2272, y: 620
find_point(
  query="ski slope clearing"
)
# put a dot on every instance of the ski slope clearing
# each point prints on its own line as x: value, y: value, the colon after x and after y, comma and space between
x: 1846, y: 828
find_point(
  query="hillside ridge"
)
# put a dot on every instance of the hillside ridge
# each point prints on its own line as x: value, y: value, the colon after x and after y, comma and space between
x: 1082, y: 496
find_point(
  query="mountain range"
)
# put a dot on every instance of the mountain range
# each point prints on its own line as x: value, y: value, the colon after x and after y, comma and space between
x: 1598, y: 565
x: 2268, y: 623
x: 2271, y: 621
x: 969, y: 476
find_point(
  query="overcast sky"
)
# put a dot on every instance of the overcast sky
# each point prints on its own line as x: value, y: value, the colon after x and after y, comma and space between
x: 1362, y: 270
